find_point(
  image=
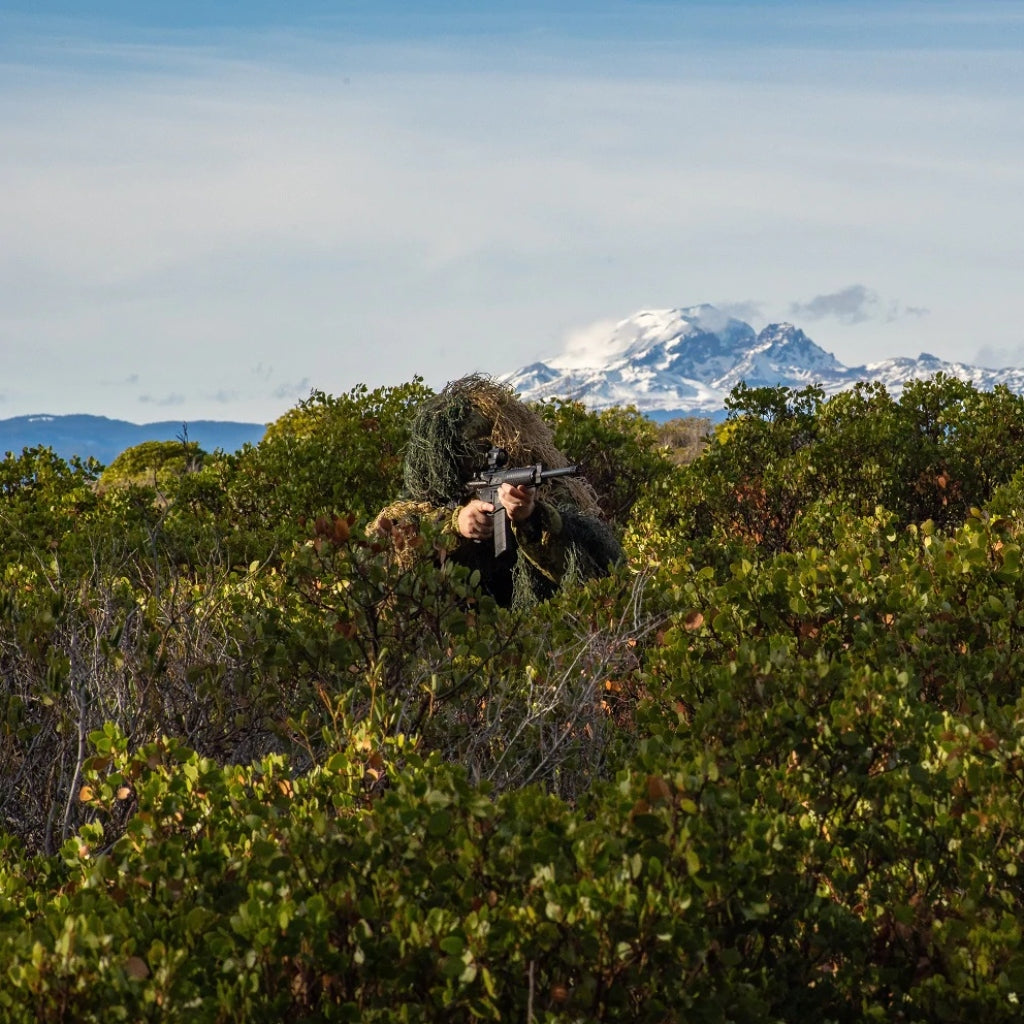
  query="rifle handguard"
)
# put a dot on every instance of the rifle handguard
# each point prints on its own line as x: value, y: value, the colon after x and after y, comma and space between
x: 488, y: 480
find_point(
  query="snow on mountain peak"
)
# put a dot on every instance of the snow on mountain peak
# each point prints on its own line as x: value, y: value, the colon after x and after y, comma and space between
x: 686, y: 360
x: 606, y: 341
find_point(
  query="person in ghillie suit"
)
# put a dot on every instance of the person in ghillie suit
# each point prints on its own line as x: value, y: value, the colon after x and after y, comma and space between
x: 557, y: 536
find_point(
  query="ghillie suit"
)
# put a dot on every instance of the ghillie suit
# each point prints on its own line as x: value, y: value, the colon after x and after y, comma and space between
x: 451, y: 433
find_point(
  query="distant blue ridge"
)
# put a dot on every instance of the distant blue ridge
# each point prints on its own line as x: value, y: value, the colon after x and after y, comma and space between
x: 104, y: 439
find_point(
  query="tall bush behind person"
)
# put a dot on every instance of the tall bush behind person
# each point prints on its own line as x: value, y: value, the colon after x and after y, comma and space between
x: 329, y: 454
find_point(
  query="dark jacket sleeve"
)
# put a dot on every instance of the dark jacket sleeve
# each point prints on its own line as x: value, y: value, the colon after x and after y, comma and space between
x: 560, y: 542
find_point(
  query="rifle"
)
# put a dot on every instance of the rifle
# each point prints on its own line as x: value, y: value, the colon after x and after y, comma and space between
x: 489, y: 478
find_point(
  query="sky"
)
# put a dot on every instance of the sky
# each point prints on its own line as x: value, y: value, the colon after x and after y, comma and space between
x: 210, y: 210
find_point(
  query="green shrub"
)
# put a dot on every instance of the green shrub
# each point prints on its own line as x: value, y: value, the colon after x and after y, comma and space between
x: 620, y: 451
x: 772, y: 769
x: 327, y: 455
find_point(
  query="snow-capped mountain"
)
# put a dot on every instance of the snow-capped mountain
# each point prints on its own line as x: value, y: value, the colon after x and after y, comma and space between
x: 679, y: 362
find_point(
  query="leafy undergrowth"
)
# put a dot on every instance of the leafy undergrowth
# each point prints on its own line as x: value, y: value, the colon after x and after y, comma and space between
x: 255, y: 769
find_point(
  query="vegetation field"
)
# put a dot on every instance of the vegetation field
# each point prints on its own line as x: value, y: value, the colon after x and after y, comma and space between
x: 255, y: 768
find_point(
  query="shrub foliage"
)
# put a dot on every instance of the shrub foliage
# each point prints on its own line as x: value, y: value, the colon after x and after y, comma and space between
x: 254, y: 768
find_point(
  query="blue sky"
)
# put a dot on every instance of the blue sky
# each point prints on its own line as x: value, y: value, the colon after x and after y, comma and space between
x: 208, y: 209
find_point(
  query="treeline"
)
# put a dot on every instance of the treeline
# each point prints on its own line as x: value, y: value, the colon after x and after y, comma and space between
x: 254, y: 768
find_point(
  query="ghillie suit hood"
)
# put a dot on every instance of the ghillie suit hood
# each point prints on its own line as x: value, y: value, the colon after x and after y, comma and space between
x: 452, y: 432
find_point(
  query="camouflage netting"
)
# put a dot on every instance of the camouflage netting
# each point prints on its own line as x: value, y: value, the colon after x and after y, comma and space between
x: 452, y: 432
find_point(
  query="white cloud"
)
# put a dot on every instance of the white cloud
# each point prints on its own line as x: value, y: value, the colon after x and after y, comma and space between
x: 998, y: 358
x: 361, y: 215
x: 588, y: 345
x: 168, y: 399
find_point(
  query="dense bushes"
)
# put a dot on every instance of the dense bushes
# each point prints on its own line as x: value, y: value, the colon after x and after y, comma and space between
x: 787, y: 464
x: 771, y: 770
x: 328, y: 454
x: 619, y: 450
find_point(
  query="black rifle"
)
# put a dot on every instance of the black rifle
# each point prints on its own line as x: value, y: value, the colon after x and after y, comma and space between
x: 492, y: 475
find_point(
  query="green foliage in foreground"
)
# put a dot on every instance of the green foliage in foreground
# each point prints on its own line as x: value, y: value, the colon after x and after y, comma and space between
x: 772, y: 771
